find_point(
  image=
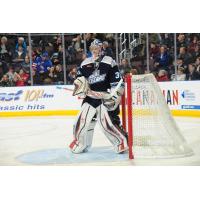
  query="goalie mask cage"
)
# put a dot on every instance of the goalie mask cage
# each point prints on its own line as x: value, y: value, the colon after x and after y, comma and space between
x: 146, y: 117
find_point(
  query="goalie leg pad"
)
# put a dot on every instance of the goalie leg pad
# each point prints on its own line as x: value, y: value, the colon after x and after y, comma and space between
x: 113, y: 134
x: 83, y: 123
x: 90, y: 133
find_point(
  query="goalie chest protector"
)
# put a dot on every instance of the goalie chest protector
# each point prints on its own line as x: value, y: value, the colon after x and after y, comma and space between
x: 101, y: 75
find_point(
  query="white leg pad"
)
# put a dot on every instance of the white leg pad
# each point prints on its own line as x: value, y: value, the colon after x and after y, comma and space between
x: 111, y: 132
x: 90, y: 133
x: 81, y: 127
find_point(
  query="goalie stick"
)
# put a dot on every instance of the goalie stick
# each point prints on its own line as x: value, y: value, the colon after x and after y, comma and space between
x: 98, y: 95
x: 62, y: 88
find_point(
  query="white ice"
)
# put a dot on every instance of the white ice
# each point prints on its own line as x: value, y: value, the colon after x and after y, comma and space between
x: 45, y: 140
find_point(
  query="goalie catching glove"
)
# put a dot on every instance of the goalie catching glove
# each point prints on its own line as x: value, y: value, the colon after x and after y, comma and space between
x: 81, y: 87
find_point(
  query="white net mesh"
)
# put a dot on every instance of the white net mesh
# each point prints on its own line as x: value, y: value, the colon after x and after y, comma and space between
x: 155, y: 131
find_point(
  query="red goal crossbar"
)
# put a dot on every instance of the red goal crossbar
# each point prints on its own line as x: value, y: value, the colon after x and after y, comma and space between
x: 127, y: 108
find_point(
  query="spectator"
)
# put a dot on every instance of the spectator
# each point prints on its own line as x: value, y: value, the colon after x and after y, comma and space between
x: 167, y: 39
x: 37, y: 53
x: 36, y: 58
x: 154, y: 38
x: 162, y: 76
x: 43, y: 64
x: 11, y: 75
x: 195, y: 53
x: 124, y: 68
x: 106, y: 50
x: 19, y: 55
x: 180, y: 63
x: 192, y: 46
x: 187, y: 57
x: 21, y: 43
x: 162, y: 59
x: 78, y: 44
x: 197, y: 63
x: 181, y: 41
x: 46, y: 62
x: 72, y: 75
x: 154, y: 50
x: 5, y: 82
x: 110, y: 38
x: 21, y: 78
x: 26, y: 63
x: 60, y: 55
x: 89, y: 39
x: 193, y: 74
x: 5, y: 53
x: 51, y: 73
x: 5, y: 56
x: 58, y: 75
x: 56, y: 58
x: 181, y: 76
x: 71, y: 54
x: 57, y: 43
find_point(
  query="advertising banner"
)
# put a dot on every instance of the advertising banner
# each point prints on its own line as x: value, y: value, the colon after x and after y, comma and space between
x: 38, y: 98
x: 182, y: 95
x: 58, y: 100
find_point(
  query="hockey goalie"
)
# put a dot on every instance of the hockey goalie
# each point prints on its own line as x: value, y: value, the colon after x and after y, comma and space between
x: 99, y: 83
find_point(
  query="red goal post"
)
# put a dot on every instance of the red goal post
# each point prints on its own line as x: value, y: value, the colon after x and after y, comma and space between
x: 127, y: 113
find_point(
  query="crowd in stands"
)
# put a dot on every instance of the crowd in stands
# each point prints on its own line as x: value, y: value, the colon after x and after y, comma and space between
x: 47, y: 57
x: 161, y: 57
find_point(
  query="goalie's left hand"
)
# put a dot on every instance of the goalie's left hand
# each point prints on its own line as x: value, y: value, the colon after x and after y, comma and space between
x: 112, y: 103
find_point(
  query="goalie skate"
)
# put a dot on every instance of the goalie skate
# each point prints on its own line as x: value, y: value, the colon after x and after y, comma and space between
x: 122, y: 148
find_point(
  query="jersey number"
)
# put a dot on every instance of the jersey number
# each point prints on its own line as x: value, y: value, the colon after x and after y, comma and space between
x: 117, y: 75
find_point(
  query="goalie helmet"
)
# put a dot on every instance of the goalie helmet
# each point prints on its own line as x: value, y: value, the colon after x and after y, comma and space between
x: 95, y: 48
x: 96, y: 43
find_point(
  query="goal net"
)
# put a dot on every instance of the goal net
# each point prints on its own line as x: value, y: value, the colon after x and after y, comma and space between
x: 152, y: 130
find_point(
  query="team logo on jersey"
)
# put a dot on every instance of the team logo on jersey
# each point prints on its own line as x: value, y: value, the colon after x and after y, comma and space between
x: 88, y: 65
x: 96, y: 77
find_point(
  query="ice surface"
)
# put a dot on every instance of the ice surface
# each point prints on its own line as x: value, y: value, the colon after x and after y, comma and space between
x: 45, y: 140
